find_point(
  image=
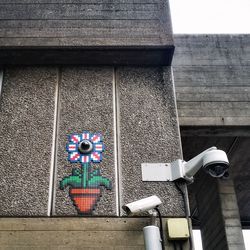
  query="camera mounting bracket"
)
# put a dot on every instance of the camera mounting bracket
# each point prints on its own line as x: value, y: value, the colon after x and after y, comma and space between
x: 164, y: 171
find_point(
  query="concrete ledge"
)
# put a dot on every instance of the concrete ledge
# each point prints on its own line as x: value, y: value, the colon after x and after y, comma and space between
x: 75, y: 233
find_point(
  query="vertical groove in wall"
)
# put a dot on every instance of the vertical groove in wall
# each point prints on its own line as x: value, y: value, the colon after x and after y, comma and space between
x: 54, y: 148
x: 1, y: 82
x: 176, y: 110
x: 116, y: 141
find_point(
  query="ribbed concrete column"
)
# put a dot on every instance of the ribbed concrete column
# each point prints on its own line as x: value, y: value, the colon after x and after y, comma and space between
x: 219, y: 214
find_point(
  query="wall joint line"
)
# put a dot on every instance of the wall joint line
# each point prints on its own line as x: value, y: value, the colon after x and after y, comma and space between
x: 53, y: 168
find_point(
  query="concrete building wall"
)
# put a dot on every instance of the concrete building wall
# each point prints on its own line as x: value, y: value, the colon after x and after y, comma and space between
x: 134, y: 109
x: 85, y: 103
x: 212, y: 79
x: 40, y: 107
x: 26, y: 118
x: 148, y: 132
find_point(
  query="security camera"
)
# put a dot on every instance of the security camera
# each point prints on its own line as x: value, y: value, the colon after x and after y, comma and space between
x: 215, y: 163
x: 142, y: 205
x: 153, y: 238
x: 212, y: 160
x: 85, y: 147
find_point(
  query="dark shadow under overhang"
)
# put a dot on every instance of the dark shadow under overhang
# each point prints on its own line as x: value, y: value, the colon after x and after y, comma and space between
x: 133, y: 56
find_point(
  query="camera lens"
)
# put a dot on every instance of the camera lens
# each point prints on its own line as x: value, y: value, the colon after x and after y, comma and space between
x: 126, y: 209
x: 217, y: 170
x: 85, y: 147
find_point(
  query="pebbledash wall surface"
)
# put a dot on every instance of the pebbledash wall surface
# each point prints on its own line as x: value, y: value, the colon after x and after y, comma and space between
x: 71, y: 66
x: 132, y: 107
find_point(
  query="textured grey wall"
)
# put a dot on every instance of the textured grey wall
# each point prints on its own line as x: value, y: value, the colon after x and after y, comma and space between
x: 148, y: 133
x: 133, y: 107
x: 147, y: 130
x: 86, y: 103
x: 26, y: 118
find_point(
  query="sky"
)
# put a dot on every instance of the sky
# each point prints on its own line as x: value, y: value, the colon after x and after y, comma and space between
x: 198, y: 244
x: 210, y: 17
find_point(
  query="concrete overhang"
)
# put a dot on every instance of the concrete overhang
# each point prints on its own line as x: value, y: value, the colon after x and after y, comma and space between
x: 87, y: 33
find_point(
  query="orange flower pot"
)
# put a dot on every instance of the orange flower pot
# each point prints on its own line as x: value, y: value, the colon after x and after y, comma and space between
x: 85, y: 199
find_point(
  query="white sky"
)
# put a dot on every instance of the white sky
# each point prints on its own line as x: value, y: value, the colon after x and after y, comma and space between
x: 198, y: 244
x: 246, y: 235
x: 210, y: 16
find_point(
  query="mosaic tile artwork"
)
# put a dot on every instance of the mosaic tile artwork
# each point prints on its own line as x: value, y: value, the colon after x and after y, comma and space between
x: 85, y: 183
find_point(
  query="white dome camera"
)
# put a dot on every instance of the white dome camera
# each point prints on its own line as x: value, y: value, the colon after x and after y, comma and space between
x: 142, y: 205
x: 215, y: 163
x: 212, y: 160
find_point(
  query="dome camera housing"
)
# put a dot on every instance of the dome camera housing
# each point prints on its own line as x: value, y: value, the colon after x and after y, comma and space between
x: 85, y: 147
x: 215, y: 163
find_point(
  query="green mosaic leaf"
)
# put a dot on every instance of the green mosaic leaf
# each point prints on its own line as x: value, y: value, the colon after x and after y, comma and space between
x: 73, y: 181
x: 97, y: 181
x: 76, y: 171
x: 96, y: 172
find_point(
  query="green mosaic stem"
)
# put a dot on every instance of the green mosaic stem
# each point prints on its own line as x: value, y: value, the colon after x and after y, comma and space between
x: 85, y: 174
